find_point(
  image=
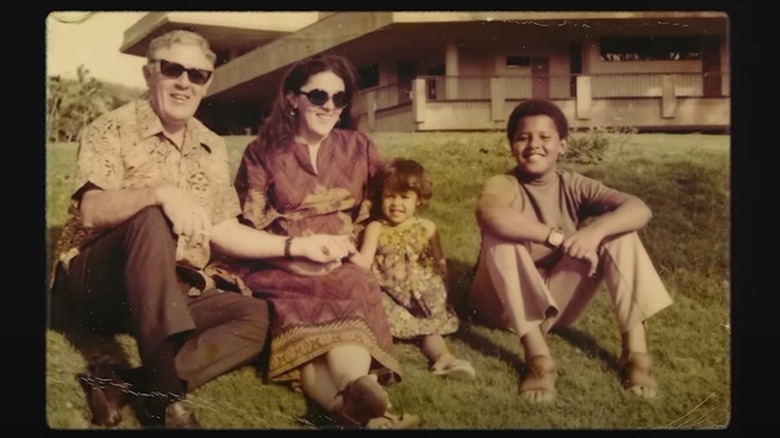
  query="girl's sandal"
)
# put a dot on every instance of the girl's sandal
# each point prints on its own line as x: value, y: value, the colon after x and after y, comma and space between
x: 363, y: 399
x: 540, y: 376
x: 454, y: 368
x: 637, y: 375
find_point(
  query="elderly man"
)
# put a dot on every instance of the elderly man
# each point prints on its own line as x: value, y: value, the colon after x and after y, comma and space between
x: 152, y: 198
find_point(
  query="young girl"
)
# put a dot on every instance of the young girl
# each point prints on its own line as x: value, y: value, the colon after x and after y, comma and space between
x: 404, y: 252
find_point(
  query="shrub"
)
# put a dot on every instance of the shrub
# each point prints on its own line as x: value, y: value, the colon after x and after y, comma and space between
x: 592, y: 145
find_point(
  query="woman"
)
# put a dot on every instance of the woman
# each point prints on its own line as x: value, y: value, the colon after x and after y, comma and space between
x: 309, y: 172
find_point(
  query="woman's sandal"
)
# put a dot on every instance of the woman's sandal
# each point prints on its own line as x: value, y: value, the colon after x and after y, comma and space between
x: 363, y: 399
x: 540, y: 376
x: 453, y: 368
x: 637, y: 375
x: 393, y: 421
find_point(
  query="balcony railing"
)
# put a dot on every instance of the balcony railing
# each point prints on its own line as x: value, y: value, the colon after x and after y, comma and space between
x: 480, y: 102
x: 384, y: 96
x: 443, y: 88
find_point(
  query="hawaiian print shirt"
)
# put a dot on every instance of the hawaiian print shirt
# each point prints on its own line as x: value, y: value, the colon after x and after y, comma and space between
x: 127, y: 149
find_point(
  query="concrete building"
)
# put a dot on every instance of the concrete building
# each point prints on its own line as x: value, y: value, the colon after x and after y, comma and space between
x: 443, y: 71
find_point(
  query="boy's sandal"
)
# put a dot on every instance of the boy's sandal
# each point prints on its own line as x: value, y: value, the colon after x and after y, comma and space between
x: 393, y: 421
x: 454, y: 368
x: 363, y: 399
x: 637, y: 371
x: 540, y: 375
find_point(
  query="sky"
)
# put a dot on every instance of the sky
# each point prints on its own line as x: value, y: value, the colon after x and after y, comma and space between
x: 94, y: 43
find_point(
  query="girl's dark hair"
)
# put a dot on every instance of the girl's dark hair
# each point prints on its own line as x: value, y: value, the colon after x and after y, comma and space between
x: 280, y: 126
x: 537, y: 107
x: 402, y: 175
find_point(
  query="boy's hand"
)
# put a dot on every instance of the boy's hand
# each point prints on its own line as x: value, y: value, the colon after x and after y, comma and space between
x: 593, y: 259
x: 583, y: 245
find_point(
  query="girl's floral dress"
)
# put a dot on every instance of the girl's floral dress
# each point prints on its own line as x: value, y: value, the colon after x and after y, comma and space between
x: 415, y: 294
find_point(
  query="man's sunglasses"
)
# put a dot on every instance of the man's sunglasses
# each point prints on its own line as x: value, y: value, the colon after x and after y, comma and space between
x: 320, y: 97
x: 173, y: 70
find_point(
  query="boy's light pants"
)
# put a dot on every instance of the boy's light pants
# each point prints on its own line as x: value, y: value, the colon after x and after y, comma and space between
x: 509, y: 292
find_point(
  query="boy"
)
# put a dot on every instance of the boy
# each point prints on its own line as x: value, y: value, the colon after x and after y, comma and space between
x: 538, y: 267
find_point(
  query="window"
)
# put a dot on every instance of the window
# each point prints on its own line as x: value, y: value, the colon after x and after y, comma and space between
x: 368, y: 76
x: 518, y: 61
x: 649, y: 48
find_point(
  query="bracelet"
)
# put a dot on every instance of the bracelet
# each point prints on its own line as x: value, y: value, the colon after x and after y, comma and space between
x: 287, y: 243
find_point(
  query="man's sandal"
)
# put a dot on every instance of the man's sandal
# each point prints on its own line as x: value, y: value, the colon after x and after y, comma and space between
x: 637, y: 375
x: 540, y: 376
x: 363, y: 399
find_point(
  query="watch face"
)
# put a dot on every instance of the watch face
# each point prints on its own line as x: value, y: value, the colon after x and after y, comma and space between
x: 556, y: 238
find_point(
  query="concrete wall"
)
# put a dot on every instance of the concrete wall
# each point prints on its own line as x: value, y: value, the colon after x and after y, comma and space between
x: 398, y: 119
x: 461, y: 116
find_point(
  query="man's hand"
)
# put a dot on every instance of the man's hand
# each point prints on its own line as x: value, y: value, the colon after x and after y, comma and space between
x: 323, y: 248
x: 187, y: 216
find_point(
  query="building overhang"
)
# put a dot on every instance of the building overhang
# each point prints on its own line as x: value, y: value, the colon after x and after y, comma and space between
x: 364, y: 36
x: 267, y: 46
x: 226, y: 31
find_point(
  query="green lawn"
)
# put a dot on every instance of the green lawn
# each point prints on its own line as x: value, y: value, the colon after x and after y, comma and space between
x: 684, y: 179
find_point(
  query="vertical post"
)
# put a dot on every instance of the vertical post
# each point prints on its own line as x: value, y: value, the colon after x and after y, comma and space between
x: 584, y: 97
x: 497, y: 102
x: 419, y: 99
x: 668, y: 97
x: 451, y: 71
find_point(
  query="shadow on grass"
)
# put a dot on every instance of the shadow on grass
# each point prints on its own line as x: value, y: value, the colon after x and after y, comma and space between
x: 316, y: 417
x: 588, y: 344
x: 459, y: 282
x: 461, y: 275
x: 52, y: 235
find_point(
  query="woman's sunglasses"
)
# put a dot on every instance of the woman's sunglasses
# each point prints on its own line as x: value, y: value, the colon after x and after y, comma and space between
x: 320, y: 97
x: 173, y: 70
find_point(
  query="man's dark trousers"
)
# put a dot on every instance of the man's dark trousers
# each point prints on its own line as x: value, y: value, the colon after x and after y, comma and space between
x: 126, y: 280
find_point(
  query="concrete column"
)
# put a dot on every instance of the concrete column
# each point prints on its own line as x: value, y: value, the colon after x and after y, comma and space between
x: 371, y: 110
x: 451, y: 71
x: 418, y: 101
x: 497, y: 101
x: 584, y: 97
x: 668, y: 97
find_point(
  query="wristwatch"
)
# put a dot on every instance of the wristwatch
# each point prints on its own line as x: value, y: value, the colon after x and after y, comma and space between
x: 555, y: 238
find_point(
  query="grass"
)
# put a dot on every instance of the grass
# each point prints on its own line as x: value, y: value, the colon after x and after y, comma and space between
x: 684, y: 178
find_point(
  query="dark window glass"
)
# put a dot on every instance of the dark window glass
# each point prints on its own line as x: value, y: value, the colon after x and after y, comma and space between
x: 649, y: 48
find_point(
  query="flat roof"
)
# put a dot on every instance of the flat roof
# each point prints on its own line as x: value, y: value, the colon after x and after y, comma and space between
x: 241, y: 31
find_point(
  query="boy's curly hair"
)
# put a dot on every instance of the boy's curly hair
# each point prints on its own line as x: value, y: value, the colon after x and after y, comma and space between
x: 537, y: 107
